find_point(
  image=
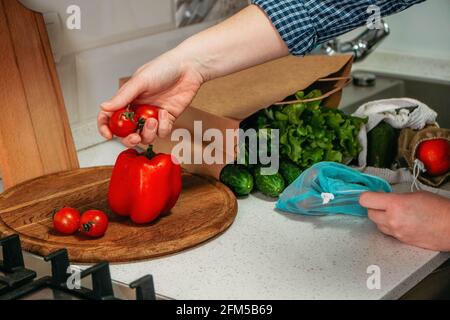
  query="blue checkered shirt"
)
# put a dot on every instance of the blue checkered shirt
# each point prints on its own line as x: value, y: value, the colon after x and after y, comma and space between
x: 304, y: 24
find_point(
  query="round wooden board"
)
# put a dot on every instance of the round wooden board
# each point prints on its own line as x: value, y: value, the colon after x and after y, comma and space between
x: 205, y: 209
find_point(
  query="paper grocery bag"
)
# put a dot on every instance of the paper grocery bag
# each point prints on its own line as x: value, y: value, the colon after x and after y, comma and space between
x: 223, y: 103
x: 239, y: 95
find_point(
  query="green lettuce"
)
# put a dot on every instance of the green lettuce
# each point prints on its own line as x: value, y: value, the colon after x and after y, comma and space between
x: 310, y: 132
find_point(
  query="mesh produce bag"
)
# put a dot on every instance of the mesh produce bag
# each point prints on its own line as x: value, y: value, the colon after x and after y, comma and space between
x: 329, y: 188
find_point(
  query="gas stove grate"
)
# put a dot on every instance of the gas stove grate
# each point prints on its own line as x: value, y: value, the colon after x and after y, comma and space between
x: 18, y: 282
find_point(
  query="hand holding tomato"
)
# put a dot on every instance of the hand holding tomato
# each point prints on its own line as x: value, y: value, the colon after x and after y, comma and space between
x: 123, y: 122
x: 134, y: 119
x: 169, y: 81
x: 145, y: 112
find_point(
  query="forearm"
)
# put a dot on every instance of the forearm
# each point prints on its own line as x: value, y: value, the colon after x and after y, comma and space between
x: 272, y: 28
x: 244, y: 40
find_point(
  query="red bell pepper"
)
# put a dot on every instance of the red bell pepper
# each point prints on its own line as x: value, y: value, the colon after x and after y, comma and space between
x: 144, y: 185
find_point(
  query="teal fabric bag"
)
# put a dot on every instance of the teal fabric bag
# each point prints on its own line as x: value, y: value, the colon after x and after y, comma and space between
x: 329, y: 188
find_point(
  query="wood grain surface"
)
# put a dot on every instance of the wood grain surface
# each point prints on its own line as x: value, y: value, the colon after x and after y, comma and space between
x: 35, y: 137
x: 205, y: 209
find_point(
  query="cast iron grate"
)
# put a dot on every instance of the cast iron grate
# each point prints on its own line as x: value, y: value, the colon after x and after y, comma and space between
x: 18, y: 282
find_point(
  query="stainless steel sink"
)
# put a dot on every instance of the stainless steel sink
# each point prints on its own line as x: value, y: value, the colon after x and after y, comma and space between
x: 436, y: 94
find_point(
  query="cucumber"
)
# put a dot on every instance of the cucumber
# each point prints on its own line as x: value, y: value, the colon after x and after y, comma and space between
x: 270, y: 185
x: 238, y: 179
x: 289, y: 170
x: 382, y: 146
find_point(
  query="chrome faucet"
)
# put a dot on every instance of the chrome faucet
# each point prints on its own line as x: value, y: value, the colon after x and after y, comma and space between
x: 361, y: 46
x: 193, y: 11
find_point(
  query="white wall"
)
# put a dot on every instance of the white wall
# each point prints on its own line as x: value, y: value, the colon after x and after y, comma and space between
x: 106, y: 21
x: 422, y: 30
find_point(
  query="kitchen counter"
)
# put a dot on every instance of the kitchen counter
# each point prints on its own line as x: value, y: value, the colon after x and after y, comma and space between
x: 269, y: 255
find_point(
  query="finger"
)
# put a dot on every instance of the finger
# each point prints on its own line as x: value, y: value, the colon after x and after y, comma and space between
x: 131, y: 141
x: 125, y: 95
x: 385, y: 230
x: 165, y: 123
x: 102, y: 125
x: 150, y: 131
x: 141, y: 69
x: 375, y: 200
x: 378, y: 216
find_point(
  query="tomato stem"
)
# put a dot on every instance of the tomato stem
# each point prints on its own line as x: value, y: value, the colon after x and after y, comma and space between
x: 150, y: 154
x: 87, y: 226
x: 141, y: 124
x: 129, y: 115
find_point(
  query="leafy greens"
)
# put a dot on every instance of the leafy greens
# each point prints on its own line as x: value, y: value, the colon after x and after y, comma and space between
x: 309, y: 132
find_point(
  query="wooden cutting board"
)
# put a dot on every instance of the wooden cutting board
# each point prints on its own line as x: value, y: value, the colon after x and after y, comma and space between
x: 205, y: 209
x: 35, y: 137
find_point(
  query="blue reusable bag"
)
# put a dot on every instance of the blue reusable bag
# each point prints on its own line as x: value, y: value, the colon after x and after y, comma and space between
x: 329, y: 188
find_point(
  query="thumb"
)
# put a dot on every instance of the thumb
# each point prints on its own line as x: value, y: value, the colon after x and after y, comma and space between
x: 127, y: 94
x: 376, y: 200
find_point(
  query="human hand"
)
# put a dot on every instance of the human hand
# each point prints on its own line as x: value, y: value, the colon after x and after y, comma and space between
x: 170, y: 82
x: 420, y: 219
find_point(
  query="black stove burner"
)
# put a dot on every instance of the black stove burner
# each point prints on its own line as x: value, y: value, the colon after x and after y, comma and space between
x: 17, y: 282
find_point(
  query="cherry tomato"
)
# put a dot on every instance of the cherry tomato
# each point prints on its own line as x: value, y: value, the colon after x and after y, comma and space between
x: 66, y: 220
x: 123, y: 122
x: 435, y: 155
x: 94, y: 223
x: 145, y: 112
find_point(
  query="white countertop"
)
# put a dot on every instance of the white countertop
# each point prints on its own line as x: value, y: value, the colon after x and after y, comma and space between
x: 270, y: 255
x: 432, y: 69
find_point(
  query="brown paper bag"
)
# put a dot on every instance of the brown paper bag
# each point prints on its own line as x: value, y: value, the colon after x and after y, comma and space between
x: 223, y: 103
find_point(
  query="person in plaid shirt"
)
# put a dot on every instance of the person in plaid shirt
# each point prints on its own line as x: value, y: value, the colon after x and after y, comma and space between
x: 266, y: 30
x: 305, y: 24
